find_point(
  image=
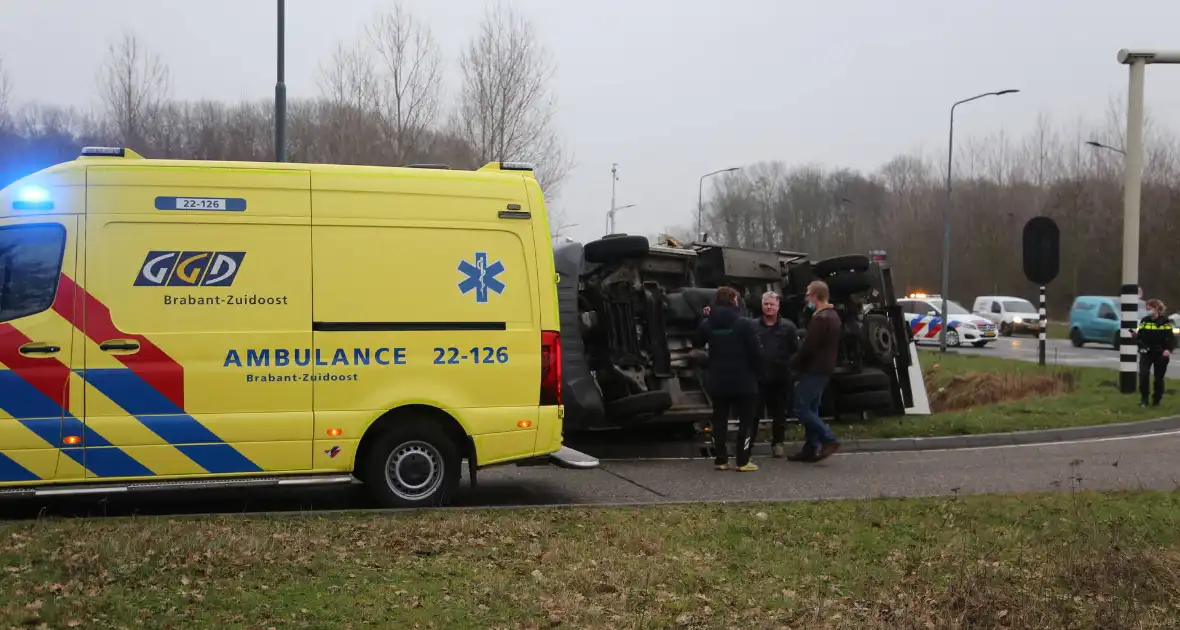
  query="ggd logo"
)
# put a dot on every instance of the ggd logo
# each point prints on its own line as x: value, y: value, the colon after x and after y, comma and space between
x: 189, y: 269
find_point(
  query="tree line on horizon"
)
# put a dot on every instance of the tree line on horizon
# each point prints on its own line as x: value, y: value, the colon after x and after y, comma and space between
x: 381, y: 101
x: 999, y: 183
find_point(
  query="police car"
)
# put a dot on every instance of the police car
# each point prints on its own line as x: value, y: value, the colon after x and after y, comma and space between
x: 923, y: 313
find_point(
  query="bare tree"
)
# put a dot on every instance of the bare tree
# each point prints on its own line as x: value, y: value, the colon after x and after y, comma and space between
x: 5, y: 92
x: 349, y: 85
x: 410, y: 83
x: 505, y: 107
x: 133, y: 84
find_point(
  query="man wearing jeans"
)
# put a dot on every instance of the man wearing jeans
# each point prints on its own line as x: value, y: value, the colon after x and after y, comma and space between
x: 813, y: 365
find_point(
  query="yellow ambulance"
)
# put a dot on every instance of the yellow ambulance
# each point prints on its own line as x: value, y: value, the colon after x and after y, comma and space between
x: 178, y: 324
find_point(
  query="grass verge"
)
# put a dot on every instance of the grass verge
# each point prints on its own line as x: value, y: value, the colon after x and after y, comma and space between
x: 1075, y: 560
x: 999, y: 395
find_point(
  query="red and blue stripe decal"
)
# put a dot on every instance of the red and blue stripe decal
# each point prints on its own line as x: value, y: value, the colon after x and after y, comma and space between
x: 44, y: 417
x: 12, y: 471
x: 151, y: 388
x: 152, y: 364
x: 164, y: 418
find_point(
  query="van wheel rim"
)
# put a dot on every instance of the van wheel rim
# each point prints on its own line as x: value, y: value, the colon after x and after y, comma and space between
x: 414, y: 470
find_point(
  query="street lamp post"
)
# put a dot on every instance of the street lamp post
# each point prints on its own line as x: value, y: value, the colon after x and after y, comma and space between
x: 610, y: 217
x: 701, y: 198
x: 281, y: 88
x: 1132, y: 184
x: 946, y: 214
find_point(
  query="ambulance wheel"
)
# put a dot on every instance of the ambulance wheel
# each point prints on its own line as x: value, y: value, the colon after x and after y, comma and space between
x: 415, y: 464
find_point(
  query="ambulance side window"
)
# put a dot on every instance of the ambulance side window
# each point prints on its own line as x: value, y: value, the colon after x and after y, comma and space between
x: 30, y: 264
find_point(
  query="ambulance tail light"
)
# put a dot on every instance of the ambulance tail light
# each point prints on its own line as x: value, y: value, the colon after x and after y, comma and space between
x: 550, y: 368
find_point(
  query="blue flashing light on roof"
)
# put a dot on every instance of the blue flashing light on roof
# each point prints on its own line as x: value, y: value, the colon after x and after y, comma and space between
x: 32, y: 198
x: 516, y: 166
x: 103, y: 152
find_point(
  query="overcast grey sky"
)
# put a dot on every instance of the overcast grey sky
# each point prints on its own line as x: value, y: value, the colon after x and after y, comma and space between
x: 669, y: 90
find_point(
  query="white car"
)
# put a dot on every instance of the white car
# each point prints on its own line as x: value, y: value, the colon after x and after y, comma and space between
x: 1012, y: 314
x: 923, y: 313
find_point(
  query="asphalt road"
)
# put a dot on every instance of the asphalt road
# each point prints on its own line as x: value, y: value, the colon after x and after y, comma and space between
x: 1146, y: 462
x: 1057, y: 352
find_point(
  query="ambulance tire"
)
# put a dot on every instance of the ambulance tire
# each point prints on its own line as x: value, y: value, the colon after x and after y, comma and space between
x: 832, y: 266
x: 413, y: 464
x: 616, y: 247
x: 848, y: 283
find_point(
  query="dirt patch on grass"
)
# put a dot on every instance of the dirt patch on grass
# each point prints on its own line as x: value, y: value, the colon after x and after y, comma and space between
x: 957, y: 392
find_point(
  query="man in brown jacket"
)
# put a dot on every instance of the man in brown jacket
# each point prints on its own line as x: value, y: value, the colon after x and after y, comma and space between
x: 814, y: 364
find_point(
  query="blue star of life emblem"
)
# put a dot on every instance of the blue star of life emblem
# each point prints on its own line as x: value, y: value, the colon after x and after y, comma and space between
x: 481, y: 277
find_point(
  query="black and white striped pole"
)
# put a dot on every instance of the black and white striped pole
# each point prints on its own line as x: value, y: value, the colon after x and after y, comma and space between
x: 1132, y: 183
x: 1042, y: 323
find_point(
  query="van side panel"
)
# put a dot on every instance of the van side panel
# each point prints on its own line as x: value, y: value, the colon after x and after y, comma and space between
x: 424, y: 295
x: 197, y: 313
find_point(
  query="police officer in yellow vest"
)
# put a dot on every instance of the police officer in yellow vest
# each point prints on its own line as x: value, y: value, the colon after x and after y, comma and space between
x: 1156, y: 343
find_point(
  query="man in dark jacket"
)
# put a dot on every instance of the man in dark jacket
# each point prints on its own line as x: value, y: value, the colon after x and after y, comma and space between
x: 1156, y: 343
x: 732, y: 377
x: 813, y: 366
x: 780, y: 340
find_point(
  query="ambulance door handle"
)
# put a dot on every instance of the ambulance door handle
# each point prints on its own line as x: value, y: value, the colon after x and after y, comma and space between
x: 116, y: 345
x: 39, y: 347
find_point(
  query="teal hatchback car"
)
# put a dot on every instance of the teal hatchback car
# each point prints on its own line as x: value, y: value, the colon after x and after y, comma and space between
x: 1095, y: 319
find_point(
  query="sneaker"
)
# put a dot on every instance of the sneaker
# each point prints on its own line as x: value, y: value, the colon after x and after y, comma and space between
x: 1155, y: 403
x: 1143, y: 404
x: 722, y: 466
x: 748, y: 467
x: 778, y: 450
x: 802, y: 456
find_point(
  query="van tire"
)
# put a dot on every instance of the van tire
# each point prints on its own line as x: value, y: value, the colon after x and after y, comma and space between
x: 1005, y: 329
x: 616, y: 247
x: 865, y: 401
x: 422, y: 447
x: 831, y: 266
x: 639, y: 404
x: 1075, y: 338
x: 879, y: 337
x: 866, y: 380
x: 845, y: 284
